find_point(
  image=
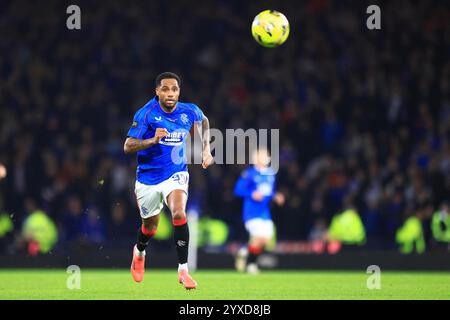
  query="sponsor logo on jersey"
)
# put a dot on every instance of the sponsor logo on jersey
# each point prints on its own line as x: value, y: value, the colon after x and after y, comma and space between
x: 265, y: 188
x: 175, y: 138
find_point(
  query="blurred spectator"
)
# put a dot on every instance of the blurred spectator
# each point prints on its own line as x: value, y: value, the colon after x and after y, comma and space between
x: 120, y: 228
x: 213, y: 233
x: 6, y: 230
x: 411, y: 236
x: 441, y: 226
x: 92, y: 227
x: 39, y: 232
x: 346, y: 228
x: 318, y: 236
x: 72, y: 220
x: 359, y: 112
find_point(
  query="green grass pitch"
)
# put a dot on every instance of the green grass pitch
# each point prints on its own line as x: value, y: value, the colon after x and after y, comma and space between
x: 222, y: 285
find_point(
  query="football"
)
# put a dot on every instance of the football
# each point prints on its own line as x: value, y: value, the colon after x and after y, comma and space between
x: 270, y: 28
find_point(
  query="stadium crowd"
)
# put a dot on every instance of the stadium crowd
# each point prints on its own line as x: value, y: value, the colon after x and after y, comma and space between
x: 364, y: 115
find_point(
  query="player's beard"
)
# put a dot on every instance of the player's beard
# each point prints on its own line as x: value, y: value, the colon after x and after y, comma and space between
x: 169, y: 107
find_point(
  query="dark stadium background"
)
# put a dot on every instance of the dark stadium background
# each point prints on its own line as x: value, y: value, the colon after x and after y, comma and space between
x: 361, y: 112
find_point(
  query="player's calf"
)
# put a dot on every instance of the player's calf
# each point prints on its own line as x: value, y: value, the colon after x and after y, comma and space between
x: 145, y: 233
x: 253, y: 253
x: 181, y: 238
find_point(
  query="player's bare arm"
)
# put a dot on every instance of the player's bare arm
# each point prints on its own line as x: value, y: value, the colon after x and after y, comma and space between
x: 207, y: 158
x: 133, y: 145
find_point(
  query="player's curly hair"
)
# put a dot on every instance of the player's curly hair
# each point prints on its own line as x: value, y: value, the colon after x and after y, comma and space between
x: 167, y: 75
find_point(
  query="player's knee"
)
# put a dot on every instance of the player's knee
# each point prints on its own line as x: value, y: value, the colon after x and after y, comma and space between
x: 179, y: 217
x: 255, y: 249
x: 258, y: 242
x: 151, y: 226
x: 149, y: 230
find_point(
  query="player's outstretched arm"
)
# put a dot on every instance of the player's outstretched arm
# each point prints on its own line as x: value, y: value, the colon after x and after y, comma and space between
x: 133, y: 145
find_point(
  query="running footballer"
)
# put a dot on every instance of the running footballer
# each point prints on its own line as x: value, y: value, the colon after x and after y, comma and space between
x: 161, y: 125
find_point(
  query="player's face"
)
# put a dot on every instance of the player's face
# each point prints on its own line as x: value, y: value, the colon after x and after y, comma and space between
x: 261, y: 158
x: 168, y: 93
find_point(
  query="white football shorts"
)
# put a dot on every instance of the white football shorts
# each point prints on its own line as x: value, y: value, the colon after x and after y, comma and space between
x: 262, y: 228
x: 151, y: 198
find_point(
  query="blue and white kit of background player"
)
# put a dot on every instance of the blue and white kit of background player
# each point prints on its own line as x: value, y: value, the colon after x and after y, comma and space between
x: 160, y: 170
x: 256, y: 214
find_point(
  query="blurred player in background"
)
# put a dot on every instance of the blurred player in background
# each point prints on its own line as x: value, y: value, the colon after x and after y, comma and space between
x: 257, y: 186
x: 158, y: 127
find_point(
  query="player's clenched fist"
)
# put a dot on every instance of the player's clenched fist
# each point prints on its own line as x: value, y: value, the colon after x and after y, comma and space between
x: 257, y: 195
x: 279, y: 198
x: 159, y: 134
x: 207, y: 159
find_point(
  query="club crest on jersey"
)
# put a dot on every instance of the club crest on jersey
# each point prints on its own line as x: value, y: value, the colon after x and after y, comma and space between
x: 184, y: 118
x: 265, y: 188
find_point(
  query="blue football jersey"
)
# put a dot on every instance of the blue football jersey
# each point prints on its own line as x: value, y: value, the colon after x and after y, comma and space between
x: 159, y: 162
x: 254, y: 180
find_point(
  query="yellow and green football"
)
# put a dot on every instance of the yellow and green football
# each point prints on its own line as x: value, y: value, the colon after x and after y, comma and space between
x: 270, y: 28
